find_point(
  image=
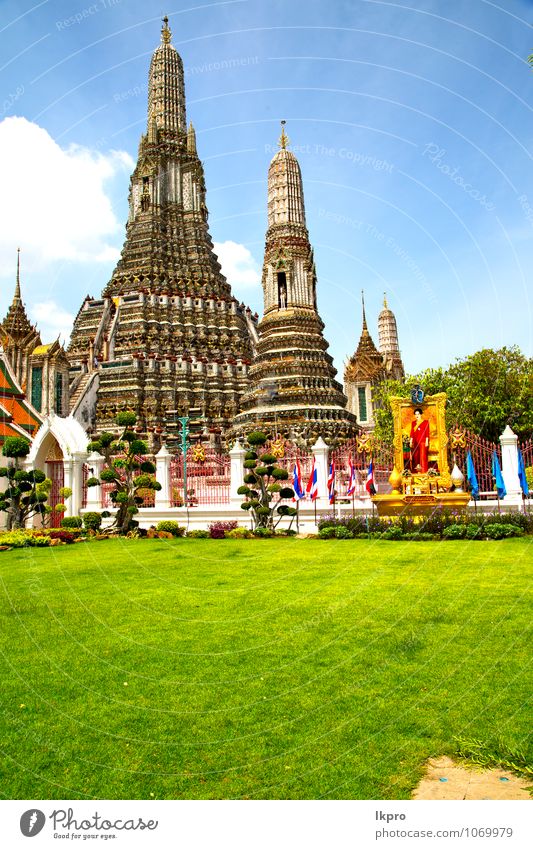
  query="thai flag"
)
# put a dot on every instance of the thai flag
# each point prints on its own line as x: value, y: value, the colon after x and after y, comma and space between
x: 331, y: 482
x: 297, y: 482
x: 351, y: 482
x: 312, y: 483
x: 370, y: 488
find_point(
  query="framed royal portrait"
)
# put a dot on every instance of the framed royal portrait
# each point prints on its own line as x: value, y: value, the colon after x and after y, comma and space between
x: 427, y: 419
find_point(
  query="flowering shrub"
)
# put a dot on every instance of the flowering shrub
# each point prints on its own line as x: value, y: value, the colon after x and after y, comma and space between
x: 217, y: 530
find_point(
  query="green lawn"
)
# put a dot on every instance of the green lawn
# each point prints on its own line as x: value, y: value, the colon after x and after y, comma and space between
x: 258, y: 669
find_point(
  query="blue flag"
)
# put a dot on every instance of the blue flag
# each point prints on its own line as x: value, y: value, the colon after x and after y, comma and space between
x: 472, y: 477
x: 522, y: 474
x: 497, y: 475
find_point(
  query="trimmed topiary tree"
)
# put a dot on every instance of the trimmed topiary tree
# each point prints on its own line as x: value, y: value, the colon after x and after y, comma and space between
x: 263, y: 481
x: 26, y: 492
x: 125, y: 469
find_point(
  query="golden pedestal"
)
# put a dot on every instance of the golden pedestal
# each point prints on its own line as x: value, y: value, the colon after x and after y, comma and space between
x: 399, y: 504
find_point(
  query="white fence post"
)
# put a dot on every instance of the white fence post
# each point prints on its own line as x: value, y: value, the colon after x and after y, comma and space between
x: 321, y: 454
x: 163, y: 458
x: 509, y: 443
x: 95, y: 463
x: 236, y: 472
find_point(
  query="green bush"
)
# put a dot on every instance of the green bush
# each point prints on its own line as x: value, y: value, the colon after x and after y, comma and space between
x: 92, y: 521
x: 126, y: 419
x: 23, y: 539
x: 394, y: 532
x: 72, y: 522
x: 454, y: 532
x: 327, y: 533
x: 343, y: 533
x: 263, y: 533
x: 239, y: 533
x: 421, y: 536
x: 473, y: 531
x: 197, y: 534
x: 500, y: 530
x: 171, y: 527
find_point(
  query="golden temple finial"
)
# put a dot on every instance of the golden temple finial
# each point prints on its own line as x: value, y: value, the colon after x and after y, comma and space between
x: 284, y: 140
x: 166, y: 32
x: 16, y: 296
x: 385, y: 304
x: 364, y: 314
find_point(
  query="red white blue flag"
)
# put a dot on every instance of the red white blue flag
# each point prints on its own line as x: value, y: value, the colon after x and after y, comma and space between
x: 351, y: 482
x: 331, y: 482
x: 370, y: 488
x: 297, y: 482
x: 312, y: 483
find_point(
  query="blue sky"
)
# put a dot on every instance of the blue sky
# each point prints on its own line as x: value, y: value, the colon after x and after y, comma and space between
x: 411, y: 121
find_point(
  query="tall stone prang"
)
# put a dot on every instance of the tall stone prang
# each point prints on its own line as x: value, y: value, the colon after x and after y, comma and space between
x: 167, y: 338
x: 294, y: 392
x: 388, y: 343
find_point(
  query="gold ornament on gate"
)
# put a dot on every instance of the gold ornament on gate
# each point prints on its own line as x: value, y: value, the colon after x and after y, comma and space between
x: 457, y: 438
x: 365, y: 444
x: 198, y: 454
x: 277, y: 448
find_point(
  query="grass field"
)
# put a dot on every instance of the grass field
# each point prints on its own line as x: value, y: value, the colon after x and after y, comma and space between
x: 258, y: 669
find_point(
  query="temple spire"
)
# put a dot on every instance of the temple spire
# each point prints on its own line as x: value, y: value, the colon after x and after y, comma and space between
x: 283, y: 140
x: 285, y: 187
x: 166, y: 32
x: 364, y: 313
x: 166, y: 87
x: 17, y: 298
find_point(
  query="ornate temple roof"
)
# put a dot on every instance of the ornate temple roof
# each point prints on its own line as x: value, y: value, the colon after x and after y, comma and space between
x: 16, y: 325
x: 367, y: 362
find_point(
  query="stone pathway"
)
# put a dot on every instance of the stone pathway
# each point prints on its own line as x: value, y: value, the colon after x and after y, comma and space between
x: 445, y: 779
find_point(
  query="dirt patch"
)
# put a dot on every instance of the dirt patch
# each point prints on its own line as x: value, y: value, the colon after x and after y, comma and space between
x: 445, y: 779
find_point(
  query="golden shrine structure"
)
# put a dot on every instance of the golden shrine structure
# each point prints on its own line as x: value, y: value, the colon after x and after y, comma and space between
x: 419, y: 488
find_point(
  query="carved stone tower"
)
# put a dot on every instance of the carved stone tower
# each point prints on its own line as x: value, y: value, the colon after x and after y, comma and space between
x: 167, y: 338
x: 388, y: 343
x: 294, y: 391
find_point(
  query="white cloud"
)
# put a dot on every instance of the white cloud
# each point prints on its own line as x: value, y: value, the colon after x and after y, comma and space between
x: 55, y: 203
x: 52, y: 321
x: 238, y: 265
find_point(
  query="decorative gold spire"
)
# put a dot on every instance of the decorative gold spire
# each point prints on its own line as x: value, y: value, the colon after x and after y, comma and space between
x: 17, y: 295
x: 364, y: 313
x: 283, y: 140
x: 385, y: 304
x: 166, y: 32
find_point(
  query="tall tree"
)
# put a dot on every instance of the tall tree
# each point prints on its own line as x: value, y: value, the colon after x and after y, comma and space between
x: 26, y: 492
x: 125, y: 469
